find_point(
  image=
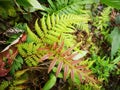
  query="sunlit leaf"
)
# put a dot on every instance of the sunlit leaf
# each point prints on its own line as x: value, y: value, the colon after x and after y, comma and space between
x: 30, y: 5
x: 113, y: 3
x: 115, y: 35
x: 50, y: 83
x: 80, y: 55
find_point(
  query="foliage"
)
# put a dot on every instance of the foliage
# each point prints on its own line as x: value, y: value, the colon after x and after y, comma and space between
x: 7, y: 9
x: 113, y: 3
x: 70, y: 41
x: 17, y: 64
x: 4, y: 85
x: 55, y: 26
x: 50, y: 83
x: 66, y: 6
x: 102, y: 22
x: 63, y: 59
x: 15, y: 84
x: 29, y: 5
x: 115, y: 35
x: 102, y: 67
x: 30, y: 53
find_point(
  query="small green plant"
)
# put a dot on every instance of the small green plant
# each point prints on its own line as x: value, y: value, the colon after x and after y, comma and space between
x: 102, y: 67
x: 102, y: 22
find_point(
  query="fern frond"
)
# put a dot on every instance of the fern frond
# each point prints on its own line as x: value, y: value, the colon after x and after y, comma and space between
x: 38, y: 30
x: 30, y: 53
x: 63, y: 59
x: 54, y: 26
x: 66, y: 6
x: 17, y: 64
x: 101, y: 22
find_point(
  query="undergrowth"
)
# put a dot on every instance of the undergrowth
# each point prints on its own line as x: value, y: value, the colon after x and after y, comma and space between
x: 64, y: 47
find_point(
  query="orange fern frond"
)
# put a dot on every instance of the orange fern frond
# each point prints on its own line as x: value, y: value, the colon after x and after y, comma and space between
x: 63, y: 59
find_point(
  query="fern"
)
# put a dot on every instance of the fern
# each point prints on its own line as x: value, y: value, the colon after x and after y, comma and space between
x: 101, y: 22
x: 30, y: 53
x: 17, y: 64
x: 66, y: 6
x: 64, y: 59
x: 60, y: 57
x: 48, y: 44
x: 54, y: 26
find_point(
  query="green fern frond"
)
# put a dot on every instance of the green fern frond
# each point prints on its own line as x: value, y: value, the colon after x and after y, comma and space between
x: 51, y: 27
x: 30, y: 53
x: 66, y: 6
x: 38, y: 30
x: 17, y: 64
x: 83, y: 25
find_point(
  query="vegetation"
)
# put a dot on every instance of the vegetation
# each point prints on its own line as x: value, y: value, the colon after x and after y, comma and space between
x: 59, y: 44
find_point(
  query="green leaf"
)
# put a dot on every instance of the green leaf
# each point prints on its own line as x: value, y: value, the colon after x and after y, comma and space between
x: 50, y: 83
x: 66, y: 6
x: 117, y: 19
x: 115, y: 34
x: 35, y: 4
x: 116, y: 60
x: 30, y: 5
x: 113, y: 3
x: 23, y: 3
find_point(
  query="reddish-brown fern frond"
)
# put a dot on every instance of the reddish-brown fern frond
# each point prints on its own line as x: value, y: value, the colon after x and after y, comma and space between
x: 63, y: 59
